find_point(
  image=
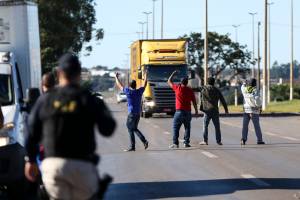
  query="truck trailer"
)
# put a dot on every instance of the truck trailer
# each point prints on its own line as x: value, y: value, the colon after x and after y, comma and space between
x: 20, y: 69
x: 159, y: 58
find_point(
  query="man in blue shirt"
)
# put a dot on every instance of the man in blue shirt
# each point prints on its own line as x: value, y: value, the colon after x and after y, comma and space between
x: 134, y: 98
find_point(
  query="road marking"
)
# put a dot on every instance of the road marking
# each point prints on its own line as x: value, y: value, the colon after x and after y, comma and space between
x: 147, y: 121
x: 208, y: 154
x: 255, y: 180
x: 290, y: 138
x: 271, y: 134
x: 181, y: 140
x: 231, y: 124
x: 167, y: 133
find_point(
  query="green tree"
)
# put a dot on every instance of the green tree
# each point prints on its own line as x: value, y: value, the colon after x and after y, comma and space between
x: 66, y: 26
x: 223, y: 54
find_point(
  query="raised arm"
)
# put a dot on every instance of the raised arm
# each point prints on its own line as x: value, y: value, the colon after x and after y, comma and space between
x: 170, y: 80
x: 223, y: 102
x: 119, y: 84
x: 145, y: 80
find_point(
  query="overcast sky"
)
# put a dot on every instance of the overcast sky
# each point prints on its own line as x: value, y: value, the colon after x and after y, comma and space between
x: 120, y: 18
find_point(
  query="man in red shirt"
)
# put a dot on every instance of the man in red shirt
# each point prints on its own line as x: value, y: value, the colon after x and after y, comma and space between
x: 184, y: 97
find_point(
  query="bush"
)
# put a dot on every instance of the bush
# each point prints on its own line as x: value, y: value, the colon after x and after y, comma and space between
x: 282, y: 92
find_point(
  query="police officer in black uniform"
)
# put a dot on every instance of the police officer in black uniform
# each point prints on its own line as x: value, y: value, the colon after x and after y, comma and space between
x: 63, y: 121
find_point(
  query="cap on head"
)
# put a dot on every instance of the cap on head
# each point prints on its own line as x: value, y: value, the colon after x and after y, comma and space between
x: 253, y: 82
x: 185, y: 81
x: 133, y: 84
x: 69, y: 63
x: 211, y: 81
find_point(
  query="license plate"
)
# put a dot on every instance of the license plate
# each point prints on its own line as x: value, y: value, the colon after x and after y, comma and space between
x: 167, y: 110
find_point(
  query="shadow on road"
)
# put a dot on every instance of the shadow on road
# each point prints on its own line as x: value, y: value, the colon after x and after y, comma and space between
x: 197, y: 188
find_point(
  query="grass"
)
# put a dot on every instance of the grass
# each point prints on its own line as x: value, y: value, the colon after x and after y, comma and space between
x: 273, y: 107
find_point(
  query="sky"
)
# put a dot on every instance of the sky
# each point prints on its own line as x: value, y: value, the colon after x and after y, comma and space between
x: 119, y: 19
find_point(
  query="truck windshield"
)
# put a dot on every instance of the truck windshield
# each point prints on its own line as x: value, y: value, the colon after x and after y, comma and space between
x: 163, y: 72
x: 6, y: 91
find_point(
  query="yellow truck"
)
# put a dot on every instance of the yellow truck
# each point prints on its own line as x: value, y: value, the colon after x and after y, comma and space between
x: 159, y: 58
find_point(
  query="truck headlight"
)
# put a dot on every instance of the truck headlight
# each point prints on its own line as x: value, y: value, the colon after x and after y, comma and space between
x: 150, y: 103
x: 4, y: 141
x: 4, y: 134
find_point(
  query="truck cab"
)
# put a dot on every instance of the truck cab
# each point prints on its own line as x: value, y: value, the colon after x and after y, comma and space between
x: 20, y: 70
x: 11, y: 135
x: 159, y: 58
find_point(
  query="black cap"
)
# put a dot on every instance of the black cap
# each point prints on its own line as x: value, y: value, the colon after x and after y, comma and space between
x: 185, y: 80
x: 70, y: 64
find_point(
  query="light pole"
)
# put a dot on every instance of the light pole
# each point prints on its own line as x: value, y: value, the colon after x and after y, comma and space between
x: 258, y: 57
x: 292, y: 53
x: 236, y: 79
x: 206, y: 44
x: 153, y: 19
x: 142, y: 24
x: 265, y: 82
x: 147, y: 22
x: 162, y: 19
x: 269, y: 53
x: 253, y: 42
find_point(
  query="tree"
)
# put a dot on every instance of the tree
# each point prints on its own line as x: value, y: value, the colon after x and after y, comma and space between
x: 223, y: 54
x: 66, y: 26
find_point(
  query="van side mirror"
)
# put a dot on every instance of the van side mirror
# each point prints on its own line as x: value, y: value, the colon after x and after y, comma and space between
x: 193, y: 75
x: 140, y: 74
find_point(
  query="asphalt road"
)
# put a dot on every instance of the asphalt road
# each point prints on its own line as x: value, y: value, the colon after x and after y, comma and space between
x: 228, y: 172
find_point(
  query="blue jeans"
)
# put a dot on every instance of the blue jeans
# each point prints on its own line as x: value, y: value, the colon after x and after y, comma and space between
x: 132, y: 125
x: 185, y: 118
x: 214, y: 116
x: 255, y: 120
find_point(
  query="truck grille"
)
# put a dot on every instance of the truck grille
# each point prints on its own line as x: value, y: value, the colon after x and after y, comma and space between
x: 164, y: 97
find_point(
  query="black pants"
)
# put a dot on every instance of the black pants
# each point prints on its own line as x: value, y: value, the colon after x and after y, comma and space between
x: 132, y: 125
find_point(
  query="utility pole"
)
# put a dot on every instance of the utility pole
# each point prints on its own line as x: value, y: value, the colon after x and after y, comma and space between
x: 162, y: 19
x: 292, y: 53
x: 236, y: 78
x: 265, y: 77
x: 258, y: 57
x: 206, y: 44
x: 269, y: 53
x: 147, y: 22
x: 153, y: 19
x: 253, y: 41
x: 142, y: 24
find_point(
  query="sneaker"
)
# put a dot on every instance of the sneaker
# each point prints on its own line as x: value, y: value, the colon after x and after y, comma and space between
x: 174, y: 146
x: 129, y: 149
x: 261, y: 142
x: 203, y: 143
x: 220, y: 143
x: 146, y: 145
x: 186, y: 145
x: 243, y: 142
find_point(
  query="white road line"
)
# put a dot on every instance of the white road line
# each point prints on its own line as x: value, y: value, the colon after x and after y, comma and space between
x: 181, y: 140
x: 271, y: 134
x: 255, y: 180
x: 167, y: 133
x: 208, y: 154
x: 290, y: 138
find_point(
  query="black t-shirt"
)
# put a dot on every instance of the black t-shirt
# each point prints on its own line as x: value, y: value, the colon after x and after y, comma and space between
x: 63, y: 120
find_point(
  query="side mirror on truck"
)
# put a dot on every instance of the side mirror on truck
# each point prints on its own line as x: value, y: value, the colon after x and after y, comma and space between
x: 193, y: 74
x: 32, y: 95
